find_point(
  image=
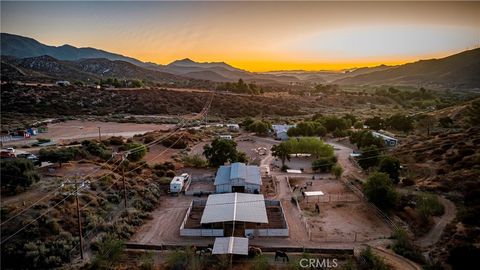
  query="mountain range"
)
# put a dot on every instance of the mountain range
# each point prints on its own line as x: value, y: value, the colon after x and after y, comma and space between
x: 26, y: 58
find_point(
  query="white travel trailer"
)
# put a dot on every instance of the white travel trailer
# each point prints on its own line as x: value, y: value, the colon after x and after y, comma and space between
x: 176, y: 186
x: 178, y: 183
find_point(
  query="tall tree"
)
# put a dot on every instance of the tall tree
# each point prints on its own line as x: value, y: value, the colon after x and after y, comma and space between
x: 221, y: 151
x: 391, y: 166
x: 282, y: 151
x: 380, y: 191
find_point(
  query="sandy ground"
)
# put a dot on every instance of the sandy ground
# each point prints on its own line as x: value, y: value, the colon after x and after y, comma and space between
x: 77, y: 129
x: 165, y: 225
x: 52, y: 182
x: 159, y: 154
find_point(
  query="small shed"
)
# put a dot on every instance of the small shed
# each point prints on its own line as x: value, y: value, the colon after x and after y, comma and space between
x: 238, y: 177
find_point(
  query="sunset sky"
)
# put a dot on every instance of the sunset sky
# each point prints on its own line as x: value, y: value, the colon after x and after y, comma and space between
x: 257, y: 36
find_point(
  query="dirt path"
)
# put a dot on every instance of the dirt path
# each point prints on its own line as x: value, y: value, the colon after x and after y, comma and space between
x: 435, y: 233
x: 350, y: 170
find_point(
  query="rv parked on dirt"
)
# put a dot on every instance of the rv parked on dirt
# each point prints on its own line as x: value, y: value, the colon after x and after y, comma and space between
x: 178, y: 183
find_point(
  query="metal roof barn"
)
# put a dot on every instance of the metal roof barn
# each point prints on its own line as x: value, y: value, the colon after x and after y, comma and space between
x: 230, y: 245
x: 235, y: 207
x: 250, y: 173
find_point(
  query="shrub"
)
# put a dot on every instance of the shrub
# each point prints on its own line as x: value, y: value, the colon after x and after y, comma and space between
x: 138, y: 151
x: 323, y: 164
x: 428, y: 205
x: 403, y: 246
x: 337, y: 171
x: 391, y: 166
x: 380, y: 191
x: 17, y: 173
x: 372, y: 261
x: 196, y: 161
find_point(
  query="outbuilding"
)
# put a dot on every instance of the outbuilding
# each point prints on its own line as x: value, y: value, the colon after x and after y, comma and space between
x: 238, y: 177
x: 389, y: 141
x: 280, y: 131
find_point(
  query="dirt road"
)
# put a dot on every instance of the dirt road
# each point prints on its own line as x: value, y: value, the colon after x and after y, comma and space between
x: 435, y: 233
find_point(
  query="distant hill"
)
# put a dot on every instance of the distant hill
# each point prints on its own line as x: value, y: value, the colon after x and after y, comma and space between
x: 458, y: 71
x: 46, y: 67
x: 24, y: 47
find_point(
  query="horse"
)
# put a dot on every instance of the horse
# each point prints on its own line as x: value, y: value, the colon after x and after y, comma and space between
x: 281, y: 254
x: 254, y: 251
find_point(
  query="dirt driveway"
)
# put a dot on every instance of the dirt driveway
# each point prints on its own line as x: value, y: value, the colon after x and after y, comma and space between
x: 77, y: 130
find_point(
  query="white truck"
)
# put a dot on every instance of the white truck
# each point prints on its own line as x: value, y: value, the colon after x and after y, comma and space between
x: 178, y: 183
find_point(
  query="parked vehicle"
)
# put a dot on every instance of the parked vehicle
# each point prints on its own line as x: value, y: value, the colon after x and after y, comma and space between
x: 176, y: 185
x: 34, y: 159
x: 9, y: 149
x: 6, y: 154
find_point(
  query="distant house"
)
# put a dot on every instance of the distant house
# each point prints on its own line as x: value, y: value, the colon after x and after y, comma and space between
x: 389, y: 141
x: 233, y: 127
x: 62, y: 83
x: 280, y: 131
x: 238, y: 177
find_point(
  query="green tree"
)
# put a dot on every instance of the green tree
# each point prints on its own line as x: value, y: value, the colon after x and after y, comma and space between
x: 282, y: 151
x: 307, y: 128
x: 324, y: 164
x: 400, y: 122
x: 351, y: 118
x: 337, y: 171
x: 369, y: 157
x: 375, y: 123
x: 221, y: 151
x: 391, y: 166
x: 17, y: 173
x: 365, y: 138
x: 57, y: 155
x: 259, y: 127
x: 380, y: 191
x: 332, y: 122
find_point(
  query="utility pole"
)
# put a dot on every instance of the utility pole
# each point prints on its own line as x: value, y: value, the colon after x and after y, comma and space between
x: 79, y: 221
x: 123, y: 156
x: 99, y: 135
x: 123, y: 180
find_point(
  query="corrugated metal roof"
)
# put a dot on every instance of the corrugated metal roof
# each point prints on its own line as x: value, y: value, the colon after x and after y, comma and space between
x: 282, y: 128
x: 314, y: 193
x: 250, y: 173
x: 235, y: 207
x: 238, y: 170
x: 230, y: 245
